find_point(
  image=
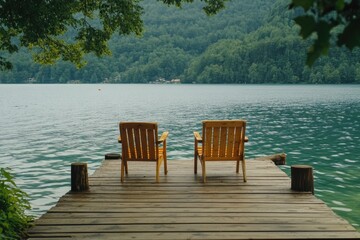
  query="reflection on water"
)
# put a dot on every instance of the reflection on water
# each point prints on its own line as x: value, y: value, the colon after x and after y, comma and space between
x: 46, y: 127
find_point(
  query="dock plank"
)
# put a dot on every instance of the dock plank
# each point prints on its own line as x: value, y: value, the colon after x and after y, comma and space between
x: 182, y: 207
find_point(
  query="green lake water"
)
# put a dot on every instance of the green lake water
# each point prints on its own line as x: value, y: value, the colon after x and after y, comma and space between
x: 44, y: 128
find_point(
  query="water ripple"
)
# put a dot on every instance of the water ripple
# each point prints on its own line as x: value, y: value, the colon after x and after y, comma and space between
x: 51, y: 126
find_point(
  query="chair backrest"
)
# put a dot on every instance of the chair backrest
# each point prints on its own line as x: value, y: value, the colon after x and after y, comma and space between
x: 139, y: 141
x: 223, y: 140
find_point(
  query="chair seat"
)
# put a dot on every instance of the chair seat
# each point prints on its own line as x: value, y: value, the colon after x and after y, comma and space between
x: 200, y: 154
x: 161, y: 154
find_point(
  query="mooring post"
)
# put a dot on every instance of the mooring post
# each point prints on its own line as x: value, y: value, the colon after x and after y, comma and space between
x: 112, y: 156
x: 302, y: 178
x: 279, y: 159
x: 79, y: 177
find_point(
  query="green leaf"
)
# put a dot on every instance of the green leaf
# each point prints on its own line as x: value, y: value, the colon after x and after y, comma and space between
x: 312, y: 56
x: 13, y: 203
x: 307, y: 24
x: 350, y: 37
x: 323, y: 29
x: 322, y: 43
x: 7, y: 176
x: 340, y: 4
x: 214, y: 6
x: 305, y: 4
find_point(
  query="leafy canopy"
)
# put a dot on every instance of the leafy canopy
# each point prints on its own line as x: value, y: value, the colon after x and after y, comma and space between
x: 43, y: 26
x: 339, y: 19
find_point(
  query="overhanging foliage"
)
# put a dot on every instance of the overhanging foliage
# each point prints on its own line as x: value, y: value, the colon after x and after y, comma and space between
x: 339, y: 19
x: 42, y: 26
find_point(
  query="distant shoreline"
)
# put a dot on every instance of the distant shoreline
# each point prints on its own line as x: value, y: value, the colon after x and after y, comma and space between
x: 273, y: 84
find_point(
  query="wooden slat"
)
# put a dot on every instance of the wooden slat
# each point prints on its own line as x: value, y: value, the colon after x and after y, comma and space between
x: 232, y: 227
x: 242, y: 141
x: 215, y: 148
x: 130, y: 133
x: 125, y: 143
x: 151, y: 140
x: 144, y: 144
x: 63, y: 209
x: 231, y: 141
x: 203, y: 235
x: 237, y: 148
x: 182, y: 207
x: 244, y: 206
x: 176, y: 199
x: 223, y: 141
x: 207, y: 143
x: 189, y: 220
x: 137, y: 144
x: 94, y: 215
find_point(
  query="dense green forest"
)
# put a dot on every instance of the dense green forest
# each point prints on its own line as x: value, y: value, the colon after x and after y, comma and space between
x: 248, y: 42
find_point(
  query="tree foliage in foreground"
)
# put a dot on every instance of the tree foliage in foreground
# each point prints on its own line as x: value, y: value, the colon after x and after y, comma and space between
x: 337, y: 20
x: 13, y: 203
x: 44, y: 26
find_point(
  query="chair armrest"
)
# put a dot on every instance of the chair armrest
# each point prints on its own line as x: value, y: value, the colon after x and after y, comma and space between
x: 119, y: 139
x: 163, y: 137
x: 197, y: 137
x: 246, y: 139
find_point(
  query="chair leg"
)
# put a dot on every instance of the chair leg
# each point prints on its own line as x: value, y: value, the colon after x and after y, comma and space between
x: 244, y: 170
x: 195, y: 155
x: 195, y: 163
x: 123, y: 163
x: 157, y: 171
x: 126, y: 168
x: 165, y: 158
x: 203, y: 170
x: 237, y: 166
x: 165, y: 163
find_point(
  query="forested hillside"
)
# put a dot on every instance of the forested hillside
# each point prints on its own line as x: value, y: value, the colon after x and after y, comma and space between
x: 248, y: 42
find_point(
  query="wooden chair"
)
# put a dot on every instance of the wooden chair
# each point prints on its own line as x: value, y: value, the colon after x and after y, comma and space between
x: 222, y: 141
x: 140, y: 143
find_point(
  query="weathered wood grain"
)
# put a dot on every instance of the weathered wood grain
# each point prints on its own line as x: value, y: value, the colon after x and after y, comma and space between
x: 180, y: 206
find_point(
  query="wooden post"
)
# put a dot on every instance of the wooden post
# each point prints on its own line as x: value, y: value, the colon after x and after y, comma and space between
x: 79, y: 177
x: 302, y: 178
x: 112, y: 156
x: 279, y: 159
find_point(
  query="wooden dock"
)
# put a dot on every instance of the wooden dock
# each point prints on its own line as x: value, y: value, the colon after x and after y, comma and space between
x: 182, y: 207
